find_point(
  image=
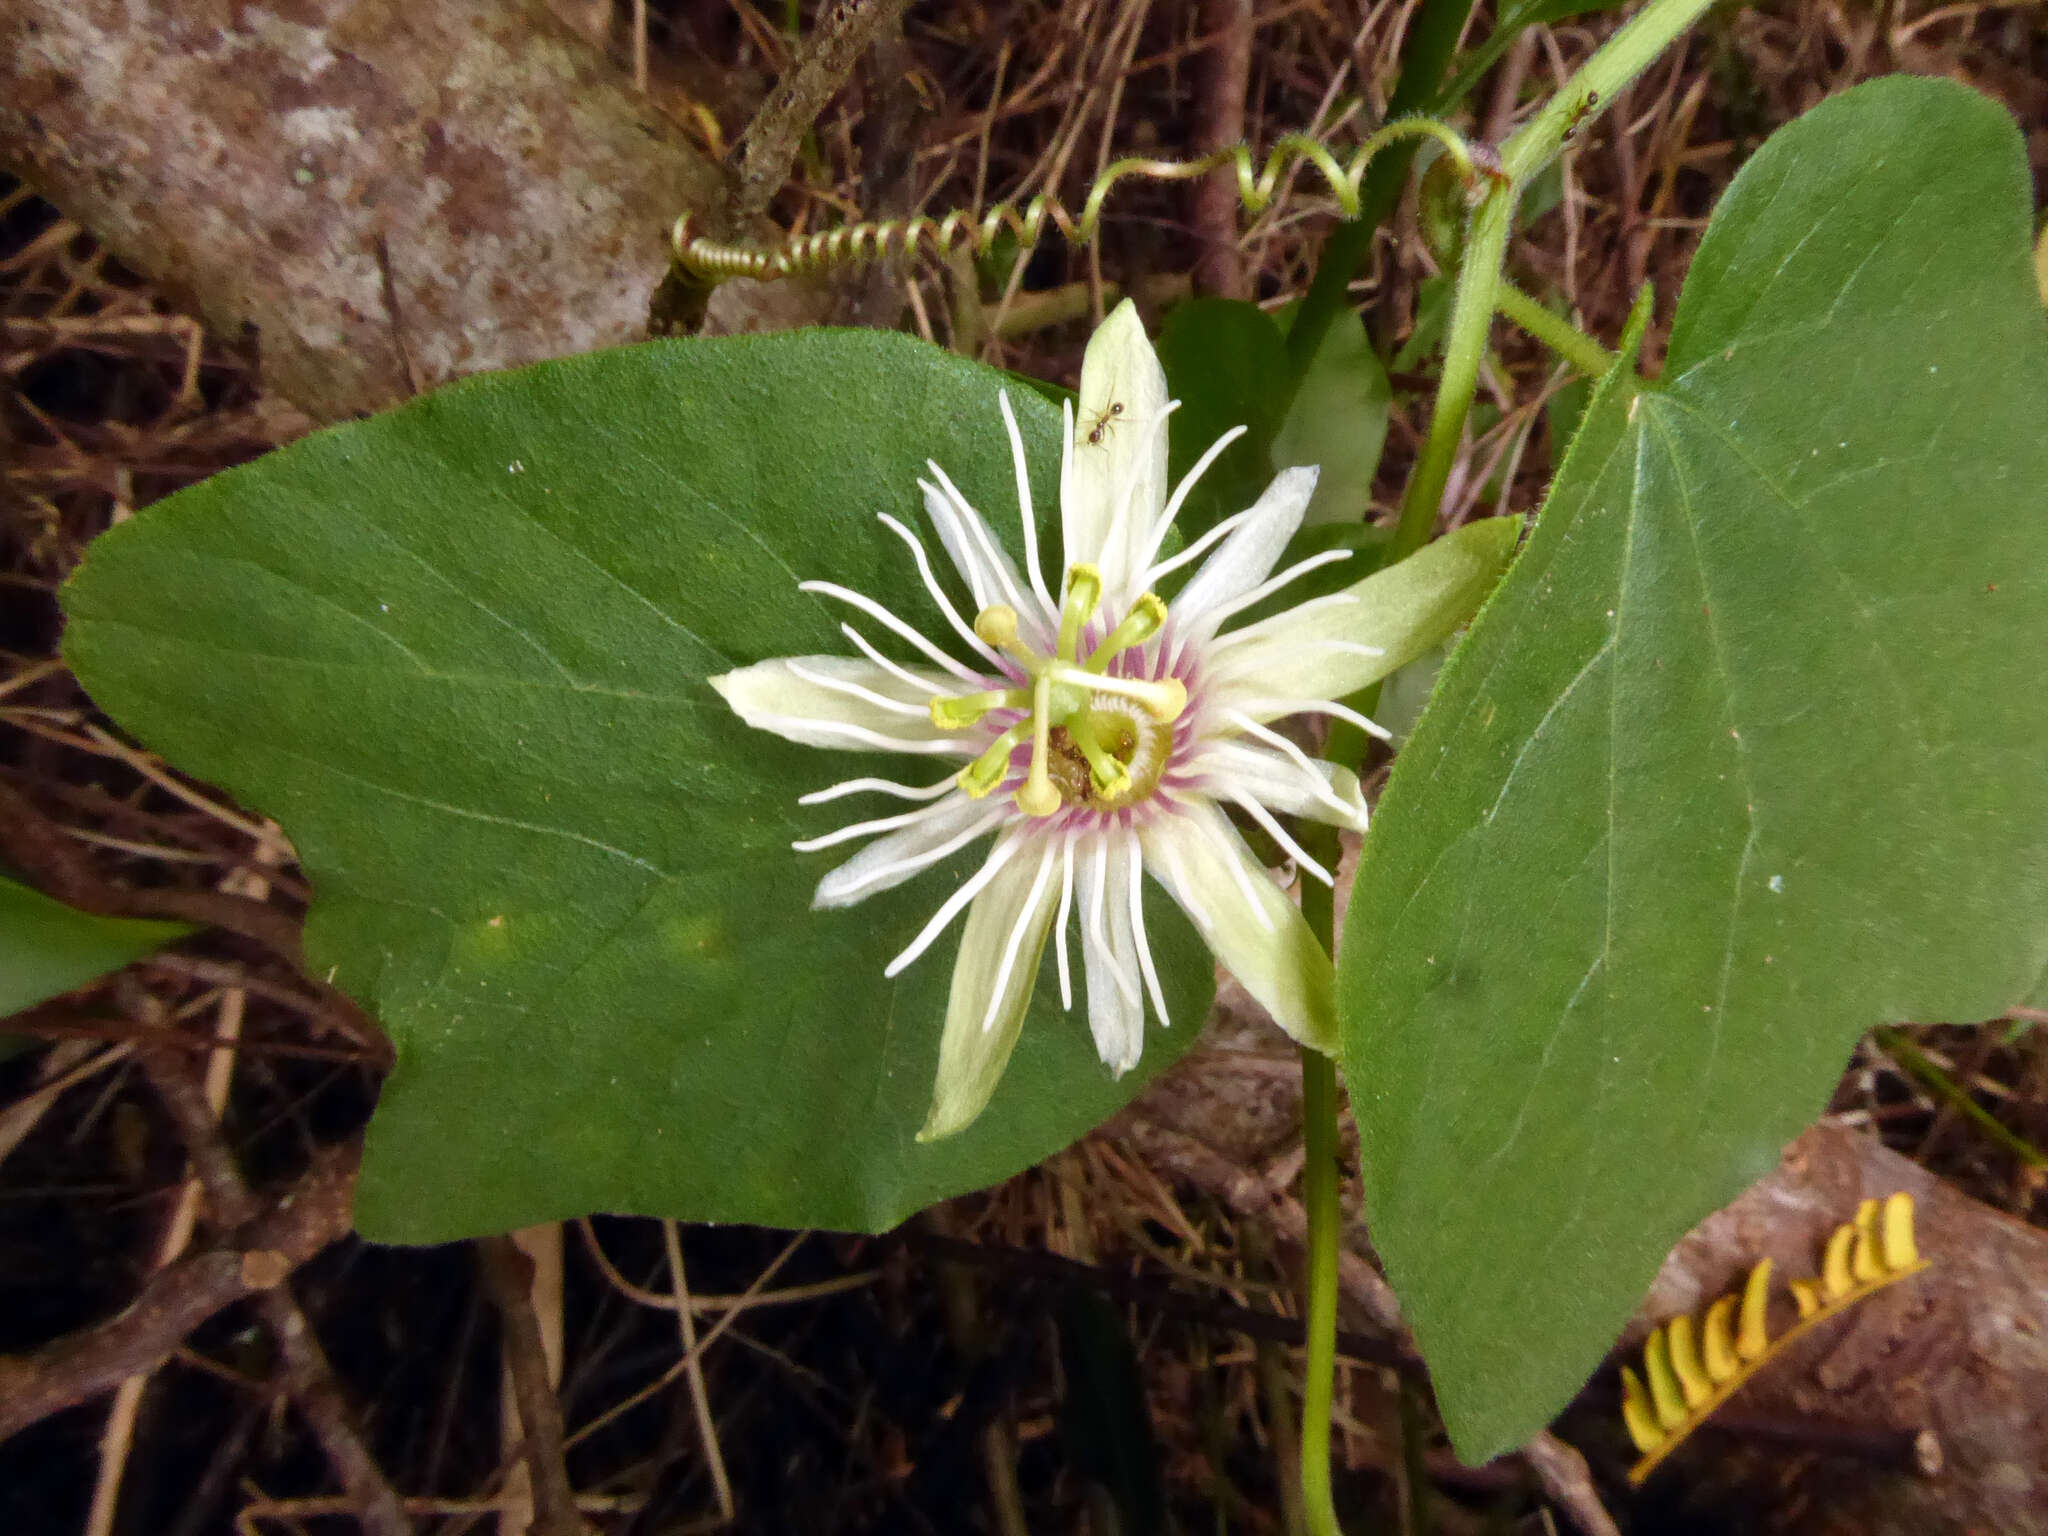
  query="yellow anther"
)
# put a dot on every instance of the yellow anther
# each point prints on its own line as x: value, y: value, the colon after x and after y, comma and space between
x: 1162, y: 698
x: 987, y: 770
x: 1111, y: 777
x: 1084, y: 592
x: 1144, y: 621
x: 996, y: 624
x: 957, y: 711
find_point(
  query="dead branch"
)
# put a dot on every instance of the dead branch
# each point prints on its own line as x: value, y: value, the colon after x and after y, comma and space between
x: 1225, y: 79
x: 769, y: 145
x: 1569, y: 1484
x: 508, y: 1276
x: 392, y: 194
x: 308, y: 1378
x: 59, y: 866
x: 313, y: 1213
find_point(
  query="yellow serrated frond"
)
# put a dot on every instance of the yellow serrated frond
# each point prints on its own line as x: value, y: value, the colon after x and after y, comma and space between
x: 1808, y: 1294
x: 1753, y: 1338
x: 1866, y: 1261
x: 1685, y: 1362
x: 1637, y: 1413
x: 1900, y: 1252
x: 1717, y: 1341
x: 1687, y: 1375
x: 1665, y: 1393
x: 1836, y: 1278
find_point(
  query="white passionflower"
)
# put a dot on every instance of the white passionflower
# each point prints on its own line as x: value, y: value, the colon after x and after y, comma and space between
x: 1104, y: 731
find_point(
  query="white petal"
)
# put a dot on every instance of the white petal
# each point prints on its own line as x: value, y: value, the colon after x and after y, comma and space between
x: 1247, y: 557
x: 842, y: 701
x: 993, y: 979
x: 1290, y: 782
x: 1109, y: 950
x: 1115, y: 487
x: 1332, y: 647
x: 1246, y: 919
x: 888, y: 861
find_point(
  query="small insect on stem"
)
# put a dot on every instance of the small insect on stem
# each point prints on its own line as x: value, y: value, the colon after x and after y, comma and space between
x: 1103, y: 422
x: 1586, y: 104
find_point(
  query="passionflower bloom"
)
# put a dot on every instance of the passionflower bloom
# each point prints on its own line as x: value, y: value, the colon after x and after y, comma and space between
x: 1105, y: 730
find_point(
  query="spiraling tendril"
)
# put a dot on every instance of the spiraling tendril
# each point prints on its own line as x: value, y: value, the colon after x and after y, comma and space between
x: 713, y: 261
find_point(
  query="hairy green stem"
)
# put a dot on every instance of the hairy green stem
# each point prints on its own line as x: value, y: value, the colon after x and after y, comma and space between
x: 1319, y: 1201
x: 1585, y: 95
x: 1319, y: 1197
x: 1554, y: 331
x: 1598, y: 82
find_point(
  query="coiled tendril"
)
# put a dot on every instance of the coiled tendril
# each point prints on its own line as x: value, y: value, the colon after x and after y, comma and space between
x: 713, y: 261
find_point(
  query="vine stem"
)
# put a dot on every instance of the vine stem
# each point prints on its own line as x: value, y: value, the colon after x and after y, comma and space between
x: 1586, y: 94
x: 1479, y: 293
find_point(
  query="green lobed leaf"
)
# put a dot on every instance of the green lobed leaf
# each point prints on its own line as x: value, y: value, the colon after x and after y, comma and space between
x: 459, y: 652
x: 1744, y: 756
x: 47, y: 948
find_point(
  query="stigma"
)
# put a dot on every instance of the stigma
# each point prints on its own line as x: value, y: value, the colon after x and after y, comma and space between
x: 1096, y: 740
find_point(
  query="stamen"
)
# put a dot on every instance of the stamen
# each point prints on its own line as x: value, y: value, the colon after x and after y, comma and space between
x: 1145, y: 965
x: 1093, y: 927
x: 1196, y: 550
x: 1225, y: 845
x: 1111, y: 777
x: 1273, y: 709
x: 876, y: 611
x: 1146, y: 618
x: 1059, y: 923
x: 846, y: 787
x: 997, y: 624
x: 1162, y: 698
x: 854, y: 691
x: 860, y: 733
x: 1183, y: 890
x: 1084, y: 592
x: 1038, y: 797
x: 1187, y: 484
x: 976, y: 535
x: 1024, y: 510
x: 1278, y: 833
x: 900, y: 673
x: 1266, y: 589
x: 1317, y: 784
x: 969, y: 889
x: 987, y: 770
x: 863, y: 828
x: 1016, y: 940
x: 957, y: 711
x: 931, y: 584
x: 884, y: 875
x: 1066, y: 452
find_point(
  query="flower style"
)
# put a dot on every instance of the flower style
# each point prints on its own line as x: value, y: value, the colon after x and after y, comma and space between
x: 1103, y: 731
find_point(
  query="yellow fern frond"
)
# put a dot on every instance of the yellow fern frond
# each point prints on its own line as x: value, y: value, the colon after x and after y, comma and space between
x: 1686, y: 1378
